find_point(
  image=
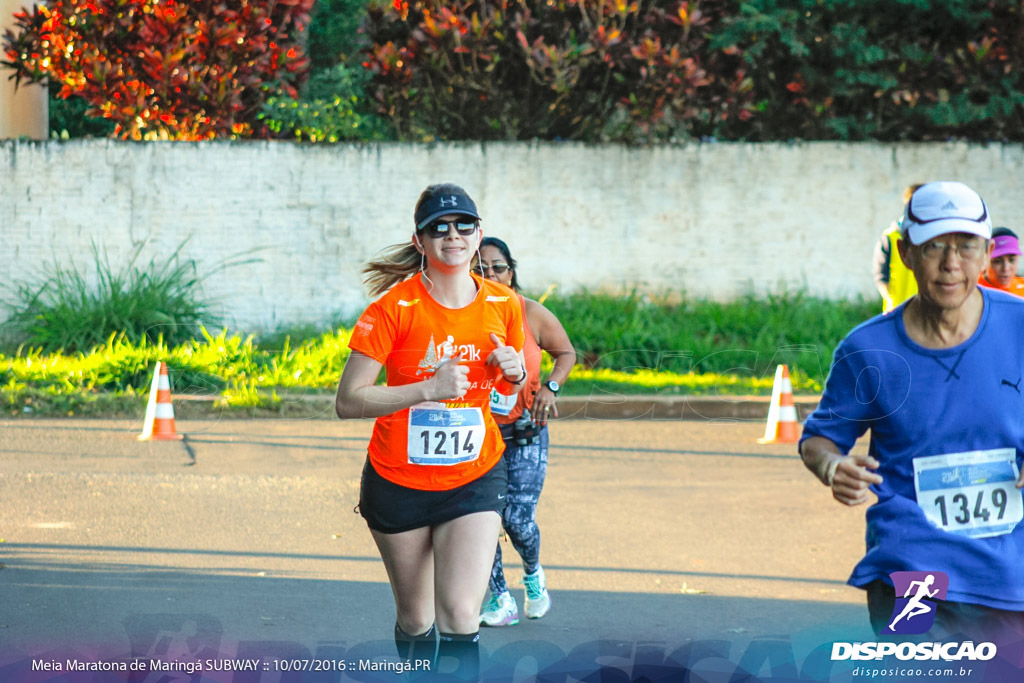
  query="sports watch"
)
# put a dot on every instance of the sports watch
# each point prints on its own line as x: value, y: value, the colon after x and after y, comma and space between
x: 553, y: 386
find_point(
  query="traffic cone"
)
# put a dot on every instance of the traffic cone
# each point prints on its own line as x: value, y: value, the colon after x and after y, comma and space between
x: 782, y: 424
x: 159, y: 424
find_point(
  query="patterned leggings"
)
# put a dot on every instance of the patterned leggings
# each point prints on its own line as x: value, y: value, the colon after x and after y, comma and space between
x: 527, y: 466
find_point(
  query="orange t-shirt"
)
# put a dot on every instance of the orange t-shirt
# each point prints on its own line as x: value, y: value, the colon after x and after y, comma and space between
x: 1016, y: 285
x: 410, y: 334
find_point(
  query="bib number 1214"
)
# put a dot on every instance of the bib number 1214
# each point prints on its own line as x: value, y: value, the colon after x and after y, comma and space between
x: 445, y: 436
x: 436, y: 442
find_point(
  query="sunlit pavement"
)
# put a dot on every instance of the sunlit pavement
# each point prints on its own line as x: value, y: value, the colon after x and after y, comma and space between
x: 654, y: 531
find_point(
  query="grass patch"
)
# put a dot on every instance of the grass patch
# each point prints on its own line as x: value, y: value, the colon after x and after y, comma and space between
x: 743, y: 338
x: 113, y: 378
x: 625, y: 345
x: 65, y: 310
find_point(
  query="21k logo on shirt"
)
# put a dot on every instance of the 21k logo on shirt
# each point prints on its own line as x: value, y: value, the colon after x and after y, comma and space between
x: 446, y: 350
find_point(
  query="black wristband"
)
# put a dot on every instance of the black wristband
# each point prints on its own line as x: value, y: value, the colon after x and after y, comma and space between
x: 522, y: 377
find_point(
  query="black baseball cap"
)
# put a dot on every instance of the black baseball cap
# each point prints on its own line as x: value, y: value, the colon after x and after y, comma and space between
x: 444, y: 204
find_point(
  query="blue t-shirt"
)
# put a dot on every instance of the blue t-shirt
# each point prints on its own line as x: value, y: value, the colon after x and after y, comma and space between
x: 921, y: 402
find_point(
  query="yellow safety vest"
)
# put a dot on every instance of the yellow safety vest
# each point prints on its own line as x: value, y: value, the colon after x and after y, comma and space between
x: 902, y: 284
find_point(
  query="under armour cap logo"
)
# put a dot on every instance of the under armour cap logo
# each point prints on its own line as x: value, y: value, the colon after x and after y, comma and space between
x: 450, y: 201
x: 950, y: 206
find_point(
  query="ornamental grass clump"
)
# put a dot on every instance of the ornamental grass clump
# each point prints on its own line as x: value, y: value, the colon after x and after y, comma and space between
x: 66, y: 310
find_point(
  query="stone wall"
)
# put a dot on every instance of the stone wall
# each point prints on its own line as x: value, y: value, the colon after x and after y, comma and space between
x: 712, y: 220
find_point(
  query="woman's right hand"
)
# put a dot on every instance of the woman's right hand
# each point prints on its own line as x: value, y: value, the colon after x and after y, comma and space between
x: 450, y: 380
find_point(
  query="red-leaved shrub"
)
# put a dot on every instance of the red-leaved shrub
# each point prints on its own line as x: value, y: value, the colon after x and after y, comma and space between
x: 577, y: 69
x: 163, y: 69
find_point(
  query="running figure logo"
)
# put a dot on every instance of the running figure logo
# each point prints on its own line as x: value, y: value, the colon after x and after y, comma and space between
x: 914, y: 612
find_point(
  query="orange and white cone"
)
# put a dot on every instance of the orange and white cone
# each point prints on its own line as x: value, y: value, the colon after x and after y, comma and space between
x: 159, y: 424
x: 782, y: 423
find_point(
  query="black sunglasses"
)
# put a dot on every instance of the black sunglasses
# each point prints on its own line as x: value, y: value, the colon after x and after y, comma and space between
x: 439, y: 229
x: 497, y: 268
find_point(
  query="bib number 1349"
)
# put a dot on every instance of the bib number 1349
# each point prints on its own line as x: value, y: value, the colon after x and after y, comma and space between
x: 988, y: 503
x: 445, y: 436
x: 972, y: 494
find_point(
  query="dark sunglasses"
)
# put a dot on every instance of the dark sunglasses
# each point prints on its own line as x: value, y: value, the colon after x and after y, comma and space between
x: 497, y: 269
x: 439, y: 229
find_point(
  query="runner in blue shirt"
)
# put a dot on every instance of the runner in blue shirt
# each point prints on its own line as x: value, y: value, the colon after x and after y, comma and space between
x: 939, y: 384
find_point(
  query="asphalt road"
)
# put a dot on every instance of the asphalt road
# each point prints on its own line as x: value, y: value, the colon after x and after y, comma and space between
x: 659, y: 538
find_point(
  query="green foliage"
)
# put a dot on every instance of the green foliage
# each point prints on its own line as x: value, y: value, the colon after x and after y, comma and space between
x: 331, y: 110
x: 880, y: 69
x: 246, y: 394
x: 576, y: 69
x: 114, y: 377
x: 333, y: 106
x: 747, y: 337
x: 65, y: 310
x: 68, y: 118
x: 334, y: 35
x: 625, y: 344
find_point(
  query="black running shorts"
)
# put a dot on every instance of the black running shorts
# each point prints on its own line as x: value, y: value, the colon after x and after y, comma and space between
x: 390, y: 508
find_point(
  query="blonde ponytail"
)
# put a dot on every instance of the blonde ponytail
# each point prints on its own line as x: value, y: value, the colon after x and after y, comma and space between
x: 392, y: 265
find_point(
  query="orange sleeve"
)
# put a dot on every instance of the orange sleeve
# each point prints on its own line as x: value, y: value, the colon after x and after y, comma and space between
x: 374, y: 333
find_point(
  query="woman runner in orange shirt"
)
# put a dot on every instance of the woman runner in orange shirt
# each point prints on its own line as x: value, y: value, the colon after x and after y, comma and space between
x: 434, y: 483
x: 523, y: 422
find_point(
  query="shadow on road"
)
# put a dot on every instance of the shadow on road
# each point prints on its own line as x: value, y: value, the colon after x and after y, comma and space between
x: 115, y: 610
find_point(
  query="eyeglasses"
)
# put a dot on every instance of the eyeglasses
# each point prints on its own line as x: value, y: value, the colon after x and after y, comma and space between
x: 496, y: 268
x: 968, y: 250
x: 439, y: 229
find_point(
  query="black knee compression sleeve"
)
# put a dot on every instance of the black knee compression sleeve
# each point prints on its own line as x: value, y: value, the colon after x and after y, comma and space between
x: 416, y: 648
x: 465, y: 649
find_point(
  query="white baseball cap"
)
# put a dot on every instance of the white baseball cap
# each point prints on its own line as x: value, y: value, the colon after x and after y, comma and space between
x: 943, y: 207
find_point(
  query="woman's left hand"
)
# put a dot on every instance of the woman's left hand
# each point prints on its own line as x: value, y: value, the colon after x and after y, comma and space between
x: 543, y: 406
x: 507, y: 360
